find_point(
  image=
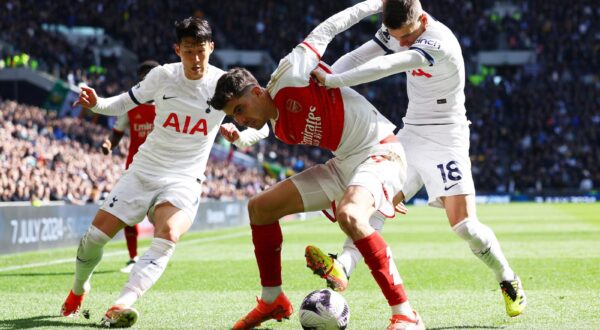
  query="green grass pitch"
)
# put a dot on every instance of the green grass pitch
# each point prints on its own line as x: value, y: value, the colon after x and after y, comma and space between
x: 212, y: 279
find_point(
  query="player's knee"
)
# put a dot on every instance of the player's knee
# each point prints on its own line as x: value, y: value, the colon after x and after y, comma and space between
x: 253, y: 210
x: 346, y: 218
x: 170, y: 234
x: 260, y: 211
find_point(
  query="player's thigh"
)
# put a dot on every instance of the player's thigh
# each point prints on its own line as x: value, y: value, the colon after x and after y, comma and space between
x: 170, y: 222
x: 274, y: 203
x: 107, y: 223
x: 412, y: 185
x: 441, y: 160
x: 382, y: 177
x: 181, y: 193
x: 318, y: 186
x: 129, y: 200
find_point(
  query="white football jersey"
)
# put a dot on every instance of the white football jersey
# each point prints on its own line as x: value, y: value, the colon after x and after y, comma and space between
x: 184, y: 127
x: 436, y: 93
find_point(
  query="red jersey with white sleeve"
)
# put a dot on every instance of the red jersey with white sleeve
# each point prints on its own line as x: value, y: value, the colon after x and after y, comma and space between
x: 140, y: 121
x: 337, y: 119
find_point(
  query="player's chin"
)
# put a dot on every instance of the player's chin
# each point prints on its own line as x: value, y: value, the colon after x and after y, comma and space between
x: 256, y: 124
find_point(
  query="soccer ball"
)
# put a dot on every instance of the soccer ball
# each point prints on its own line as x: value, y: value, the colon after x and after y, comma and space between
x: 324, y: 310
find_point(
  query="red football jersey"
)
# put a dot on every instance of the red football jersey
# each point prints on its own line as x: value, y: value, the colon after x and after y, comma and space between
x: 310, y: 115
x: 141, y: 119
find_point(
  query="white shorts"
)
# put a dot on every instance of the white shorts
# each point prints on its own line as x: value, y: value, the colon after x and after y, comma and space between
x: 438, y: 157
x: 381, y: 170
x: 136, y: 194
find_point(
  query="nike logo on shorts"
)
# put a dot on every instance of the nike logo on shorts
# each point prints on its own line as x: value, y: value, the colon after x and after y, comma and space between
x: 448, y: 188
x: 165, y: 97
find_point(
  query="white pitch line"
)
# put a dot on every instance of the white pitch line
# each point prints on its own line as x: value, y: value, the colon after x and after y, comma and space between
x: 115, y: 253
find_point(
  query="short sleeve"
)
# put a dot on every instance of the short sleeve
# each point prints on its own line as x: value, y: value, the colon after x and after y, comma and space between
x: 145, y: 90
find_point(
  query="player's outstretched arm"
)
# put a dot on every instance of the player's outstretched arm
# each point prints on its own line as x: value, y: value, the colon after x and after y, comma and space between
x: 377, y: 68
x: 112, y: 106
x: 322, y: 35
x: 245, y: 138
x: 368, y: 51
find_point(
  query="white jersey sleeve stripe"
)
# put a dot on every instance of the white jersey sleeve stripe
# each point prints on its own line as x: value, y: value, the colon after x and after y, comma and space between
x: 386, y: 49
x: 424, y: 53
x: 133, y: 97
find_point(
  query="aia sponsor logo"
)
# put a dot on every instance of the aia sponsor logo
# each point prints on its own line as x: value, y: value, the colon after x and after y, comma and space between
x: 185, y: 124
x: 293, y: 106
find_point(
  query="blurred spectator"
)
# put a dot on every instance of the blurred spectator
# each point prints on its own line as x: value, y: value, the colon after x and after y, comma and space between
x: 39, y: 165
x: 535, y: 127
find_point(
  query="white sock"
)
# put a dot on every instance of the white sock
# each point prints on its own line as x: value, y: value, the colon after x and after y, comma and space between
x: 350, y: 255
x: 89, y: 255
x: 485, y: 246
x: 270, y: 293
x: 404, y: 309
x: 147, y: 271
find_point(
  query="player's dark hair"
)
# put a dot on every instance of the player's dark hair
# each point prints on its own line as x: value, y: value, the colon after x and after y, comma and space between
x: 232, y: 85
x: 145, y: 67
x: 397, y: 13
x: 194, y: 27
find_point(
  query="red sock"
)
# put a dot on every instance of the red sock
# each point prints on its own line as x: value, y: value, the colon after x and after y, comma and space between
x: 381, y: 263
x: 131, y: 234
x: 267, y: 241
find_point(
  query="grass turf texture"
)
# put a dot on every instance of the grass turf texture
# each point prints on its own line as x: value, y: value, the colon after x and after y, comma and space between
x: 212, y: 278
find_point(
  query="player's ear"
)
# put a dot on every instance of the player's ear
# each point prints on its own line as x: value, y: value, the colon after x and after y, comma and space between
x: 423, y: 19
x: 177, y: 49
x: 256, y: 90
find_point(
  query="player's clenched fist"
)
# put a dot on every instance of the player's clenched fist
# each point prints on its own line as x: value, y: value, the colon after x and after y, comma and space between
x: 230, y: 132
x: 87, y: 97
x: 319, y: 74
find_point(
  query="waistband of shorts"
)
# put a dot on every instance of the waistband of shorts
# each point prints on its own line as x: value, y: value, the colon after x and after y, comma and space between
x: 389, y: 139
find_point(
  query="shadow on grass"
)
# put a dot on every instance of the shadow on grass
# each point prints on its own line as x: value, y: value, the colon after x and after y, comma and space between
x: 44, y: 321
x: 467, y: 327
x: 54, y: 273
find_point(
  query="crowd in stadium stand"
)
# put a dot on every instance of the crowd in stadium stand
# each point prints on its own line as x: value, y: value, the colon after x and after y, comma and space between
x: 45, y: 158
x: 534, y: 127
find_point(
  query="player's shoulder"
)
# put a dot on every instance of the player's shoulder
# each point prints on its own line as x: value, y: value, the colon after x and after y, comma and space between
x: 169, y: 69
x: 437, y: 36
x: 214, y: 73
